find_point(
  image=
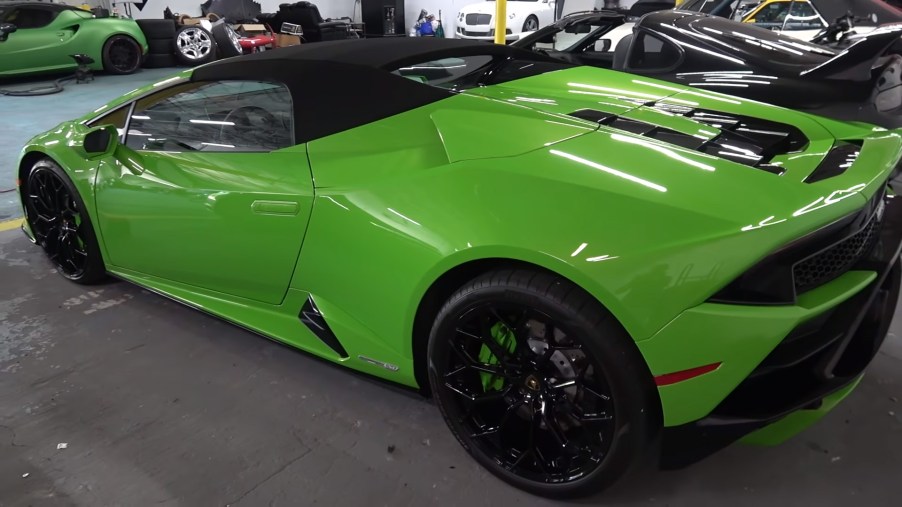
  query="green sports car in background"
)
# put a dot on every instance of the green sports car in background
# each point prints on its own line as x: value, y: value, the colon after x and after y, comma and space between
x: 47, y: 35
x: 586, y: 269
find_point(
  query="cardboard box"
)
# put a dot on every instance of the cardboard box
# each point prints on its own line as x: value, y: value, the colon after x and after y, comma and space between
x: 284, y: 40
x: 251, y: 28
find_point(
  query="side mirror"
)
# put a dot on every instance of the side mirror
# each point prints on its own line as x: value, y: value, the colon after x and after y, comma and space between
x: 602, y: 45
x: 97, y: 142
x: 6, y: 29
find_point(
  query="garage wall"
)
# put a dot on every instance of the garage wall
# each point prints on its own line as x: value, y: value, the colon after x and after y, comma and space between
x: 349, y: 8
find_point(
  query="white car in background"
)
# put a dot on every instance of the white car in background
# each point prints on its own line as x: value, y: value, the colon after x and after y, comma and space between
x: 477, y: 21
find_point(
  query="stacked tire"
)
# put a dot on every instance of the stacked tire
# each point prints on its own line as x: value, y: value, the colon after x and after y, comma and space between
x: 172, y: 43
x: 160, y: 34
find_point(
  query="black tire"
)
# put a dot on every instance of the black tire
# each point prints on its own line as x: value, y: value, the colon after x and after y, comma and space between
x: 226, y: 41
x: 122, y: 55
x: 157, y: 28
x: 606, y: 404
x: 159, y: 46
x: 160, y: 61
x: 64, y: 231
x: 194, y: 45
x: 530, y: 22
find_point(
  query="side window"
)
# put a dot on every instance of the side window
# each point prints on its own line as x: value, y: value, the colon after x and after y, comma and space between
x: 772, y: 15
x: 232, y: 116
x: 803, y: 17
x: 29, y: 17
x: 444, y: 72
x: 652, y: 53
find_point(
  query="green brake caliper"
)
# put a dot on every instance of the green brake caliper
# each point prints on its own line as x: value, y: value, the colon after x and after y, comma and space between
x: 504, y: 337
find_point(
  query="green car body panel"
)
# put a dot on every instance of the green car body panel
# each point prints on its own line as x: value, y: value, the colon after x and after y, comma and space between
x: 369, y: 219
x: 72, y: 31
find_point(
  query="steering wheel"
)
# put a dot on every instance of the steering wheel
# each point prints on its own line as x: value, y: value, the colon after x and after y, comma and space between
x: 253, y: 117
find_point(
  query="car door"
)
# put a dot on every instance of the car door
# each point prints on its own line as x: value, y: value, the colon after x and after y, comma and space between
x: 36, y: 43
x: 208, y: 189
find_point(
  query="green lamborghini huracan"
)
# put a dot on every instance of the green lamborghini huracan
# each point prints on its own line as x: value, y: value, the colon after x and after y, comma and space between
x: 586, y: 269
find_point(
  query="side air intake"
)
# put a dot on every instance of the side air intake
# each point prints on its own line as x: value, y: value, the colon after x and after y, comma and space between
x: 312, y: 318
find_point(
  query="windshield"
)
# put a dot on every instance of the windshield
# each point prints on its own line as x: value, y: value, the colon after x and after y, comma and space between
x: 762, y: 43
x: 572, y: 35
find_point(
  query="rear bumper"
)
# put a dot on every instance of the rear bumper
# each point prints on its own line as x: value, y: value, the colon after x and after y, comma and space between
x: 811, y: 369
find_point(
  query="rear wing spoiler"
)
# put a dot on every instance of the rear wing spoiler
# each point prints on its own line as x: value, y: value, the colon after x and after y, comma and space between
x: 855, y: 63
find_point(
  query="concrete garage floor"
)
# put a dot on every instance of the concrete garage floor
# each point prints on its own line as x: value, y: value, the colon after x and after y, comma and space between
x: 21, y: 118
x: 160, y: 404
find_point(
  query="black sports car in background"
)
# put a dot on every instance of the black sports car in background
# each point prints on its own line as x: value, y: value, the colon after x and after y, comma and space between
x: 858, y: 83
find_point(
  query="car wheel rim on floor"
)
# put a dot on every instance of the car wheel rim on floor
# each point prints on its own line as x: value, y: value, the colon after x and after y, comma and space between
x: 56, y: 222
x: 194, y: 43
x: 527, y: 395
x: 124, y: 55
x: 233, y: 36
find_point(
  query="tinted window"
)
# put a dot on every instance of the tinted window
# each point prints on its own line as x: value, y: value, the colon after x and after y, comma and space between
x: 649, y: 53
x: 762, y: 43
x: 29, y: 17
x: 803, y: 17
x: 578, y: 36
x: 788, y: 16
x: 446, y: 72
x: 221, y: 116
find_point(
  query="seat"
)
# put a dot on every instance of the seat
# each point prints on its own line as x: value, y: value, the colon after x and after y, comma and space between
x: 316, y: 29
x: 621, y: 52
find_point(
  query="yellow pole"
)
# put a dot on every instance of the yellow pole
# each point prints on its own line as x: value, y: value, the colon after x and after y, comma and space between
x: 500, y: 21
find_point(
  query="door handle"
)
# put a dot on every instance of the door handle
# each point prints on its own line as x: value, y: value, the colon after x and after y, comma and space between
x: 287, y: 208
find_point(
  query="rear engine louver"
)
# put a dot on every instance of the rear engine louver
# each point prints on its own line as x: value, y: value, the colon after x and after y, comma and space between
x: 749, y: 141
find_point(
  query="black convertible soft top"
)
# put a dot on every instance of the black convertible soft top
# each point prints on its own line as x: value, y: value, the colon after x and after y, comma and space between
x: 386, y: 54
x: 339, y: 85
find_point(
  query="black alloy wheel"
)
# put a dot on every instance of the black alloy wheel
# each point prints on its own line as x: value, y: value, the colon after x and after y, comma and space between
x: 518, y: 370
x: 122, y: 55
x: 59, y: 224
